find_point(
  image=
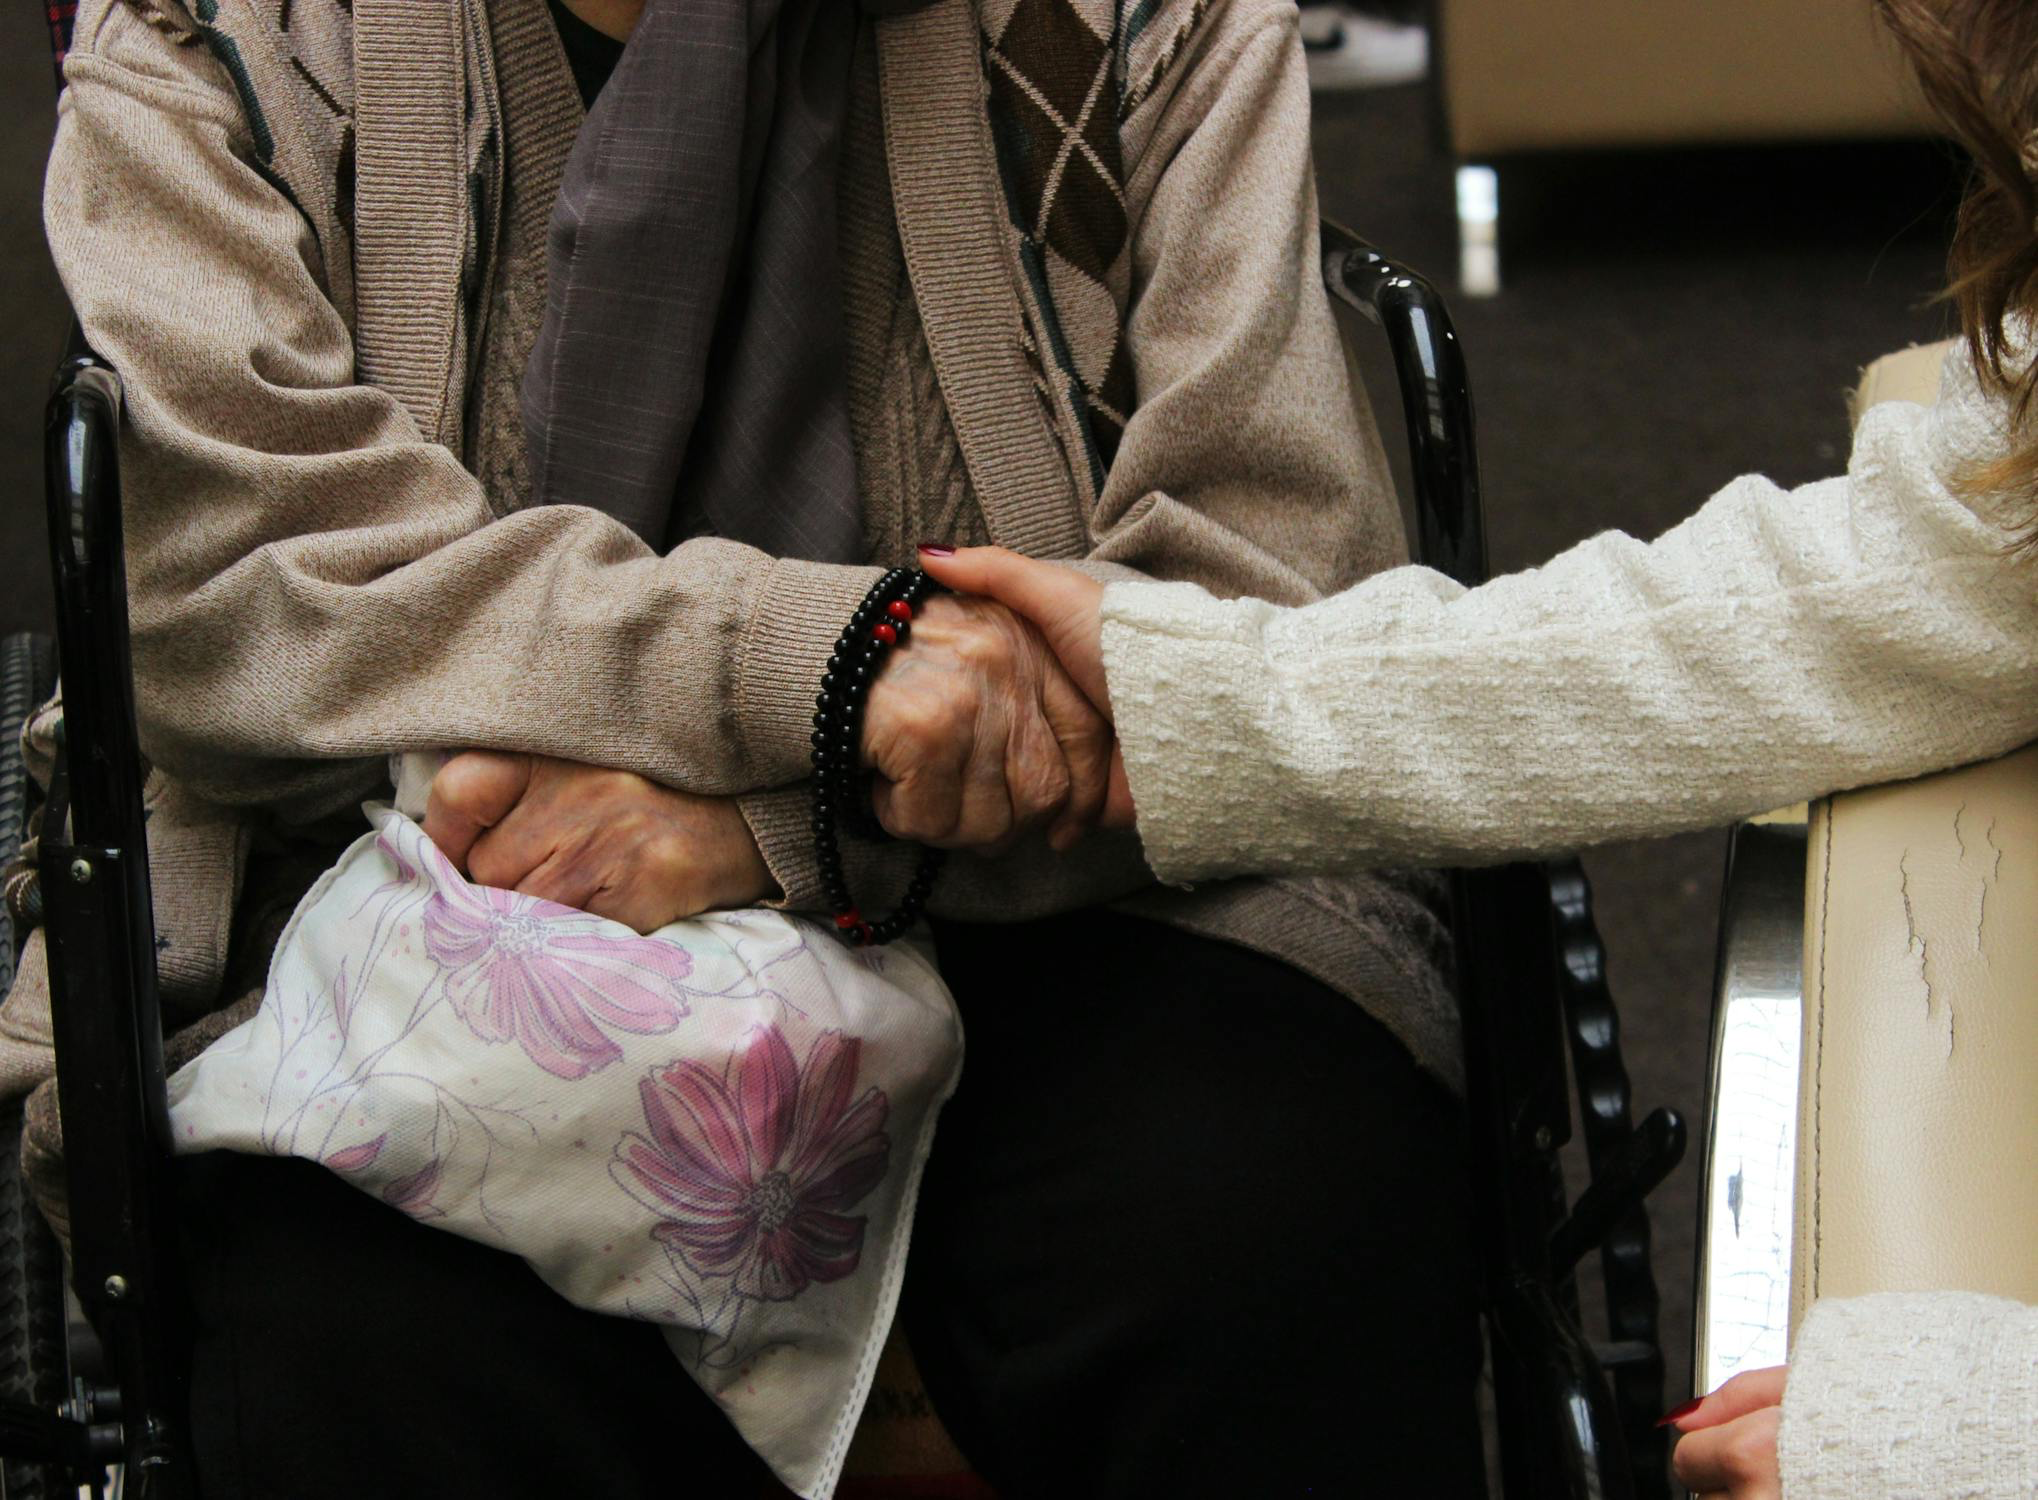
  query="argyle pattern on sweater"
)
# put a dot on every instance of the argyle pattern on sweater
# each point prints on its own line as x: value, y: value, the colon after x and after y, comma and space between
x: 1065, y: 76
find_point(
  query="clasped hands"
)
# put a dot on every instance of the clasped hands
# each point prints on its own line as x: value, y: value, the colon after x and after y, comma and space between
x: 976, y: 738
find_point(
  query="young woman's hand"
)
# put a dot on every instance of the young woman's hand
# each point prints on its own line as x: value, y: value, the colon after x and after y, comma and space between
x: 977, y: 736
x: 607, y: 842
x: 1063, y: 605
x: 1727, y: 1447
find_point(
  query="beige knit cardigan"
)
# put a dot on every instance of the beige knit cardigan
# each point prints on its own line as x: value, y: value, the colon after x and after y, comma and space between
x: 310, y: 237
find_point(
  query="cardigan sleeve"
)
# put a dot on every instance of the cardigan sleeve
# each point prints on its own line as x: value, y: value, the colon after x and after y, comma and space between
x: 314, y: 583
x: 1912, y: 1393
x: 1776, y: 645
x: 1249, y: 464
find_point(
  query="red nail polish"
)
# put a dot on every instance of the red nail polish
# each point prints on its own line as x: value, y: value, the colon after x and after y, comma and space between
x: 937, y: 549
x: 1679, y: 1413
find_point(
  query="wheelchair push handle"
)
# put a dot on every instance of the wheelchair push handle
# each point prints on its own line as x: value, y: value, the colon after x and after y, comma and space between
x: 82, y: 458
x: 1436, y: 397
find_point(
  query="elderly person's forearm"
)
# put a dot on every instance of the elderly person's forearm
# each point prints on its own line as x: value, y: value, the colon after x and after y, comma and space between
x: 314, y: 581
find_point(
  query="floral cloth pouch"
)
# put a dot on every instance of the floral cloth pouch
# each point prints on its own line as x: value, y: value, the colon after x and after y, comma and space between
x: 719, y: 1127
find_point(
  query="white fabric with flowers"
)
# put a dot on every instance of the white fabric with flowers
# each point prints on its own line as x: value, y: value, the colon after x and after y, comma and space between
x: 719, y: 1127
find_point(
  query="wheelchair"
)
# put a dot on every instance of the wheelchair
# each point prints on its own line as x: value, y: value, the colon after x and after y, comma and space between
x: 1574, y: 1417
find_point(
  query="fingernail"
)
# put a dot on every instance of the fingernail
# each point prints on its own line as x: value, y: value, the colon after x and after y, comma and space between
x: 937, y: 549
x: 1679, y: 1413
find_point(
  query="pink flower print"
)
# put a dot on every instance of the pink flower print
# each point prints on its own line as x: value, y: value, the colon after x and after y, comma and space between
x: 354, y: 1158
x: 752, y: 1171
x: 548, y: 976
x: 413, y: 1194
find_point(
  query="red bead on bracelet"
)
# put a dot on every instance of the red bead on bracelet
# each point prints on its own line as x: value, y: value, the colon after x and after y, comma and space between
x: 885, y: 633
x: 849, y: 920
x: 899, y: 609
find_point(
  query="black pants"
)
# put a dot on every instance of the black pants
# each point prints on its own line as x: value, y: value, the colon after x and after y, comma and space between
x: 1194, y: 1225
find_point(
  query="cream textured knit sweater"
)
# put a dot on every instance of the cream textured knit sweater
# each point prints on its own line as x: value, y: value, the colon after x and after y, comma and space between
x: 1932, y: 1395
x: 1777, y: 645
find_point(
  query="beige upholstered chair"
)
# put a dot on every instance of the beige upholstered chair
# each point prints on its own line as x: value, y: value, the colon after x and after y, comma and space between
x: 1875, y: 1088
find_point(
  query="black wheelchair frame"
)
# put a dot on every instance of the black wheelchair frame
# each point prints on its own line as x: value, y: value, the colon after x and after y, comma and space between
x: 1531, y: 976
x: 1575, y: 1421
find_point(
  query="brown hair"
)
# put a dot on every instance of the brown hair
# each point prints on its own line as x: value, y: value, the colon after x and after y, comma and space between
x: 1978, y: 62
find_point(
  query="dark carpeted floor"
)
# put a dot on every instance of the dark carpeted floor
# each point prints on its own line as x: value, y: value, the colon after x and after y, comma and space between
x: 1669, y: 320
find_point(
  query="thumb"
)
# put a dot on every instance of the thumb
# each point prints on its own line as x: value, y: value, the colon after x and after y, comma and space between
x: 1061, y: 604
x: 1751, y: 1390
x: 472, y: 793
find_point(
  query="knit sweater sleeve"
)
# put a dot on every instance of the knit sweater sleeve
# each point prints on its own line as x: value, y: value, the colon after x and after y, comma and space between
x: 1912, y: 1393
x: 313, y: 582
x: 1779, y: 644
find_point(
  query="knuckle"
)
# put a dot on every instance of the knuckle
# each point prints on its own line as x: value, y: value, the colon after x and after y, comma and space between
x: 1744, y: 1452
x: 666, y: 864
x: 983, y: 650
x: 457, y: 787
x: 1683, y: 1468
x: 907, y: 816
x: 1043, y: 794
x: 925, y: 722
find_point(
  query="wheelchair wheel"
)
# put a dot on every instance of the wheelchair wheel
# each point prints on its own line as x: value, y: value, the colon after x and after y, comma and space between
x: 32, y: 1355
x: 32, y: 1352
x: 27, y: 677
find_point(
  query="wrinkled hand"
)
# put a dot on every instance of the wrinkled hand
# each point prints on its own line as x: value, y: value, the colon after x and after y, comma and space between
x: 977, y: 737
x: 608, y: 842
x: 1063, y: 605
x: 1727, y: 1450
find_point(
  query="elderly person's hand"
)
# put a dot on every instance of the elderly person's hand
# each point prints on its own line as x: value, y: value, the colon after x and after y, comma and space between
x: 977, y: 736
x: 1063, y: 605
x: 1727, y: 1447
x: 607, y: 842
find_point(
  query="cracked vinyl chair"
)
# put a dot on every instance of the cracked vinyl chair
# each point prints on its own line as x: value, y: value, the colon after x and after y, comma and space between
x: 1875, y: 1048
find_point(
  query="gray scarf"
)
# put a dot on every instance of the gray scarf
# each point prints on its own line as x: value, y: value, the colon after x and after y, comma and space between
x: 691, y: 377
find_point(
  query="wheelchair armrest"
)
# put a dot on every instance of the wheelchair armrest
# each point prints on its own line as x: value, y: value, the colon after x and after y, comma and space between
x: 1875, y: 1051
x: 1742, y: 1301
x: 1809, y: 1190
x: 1918, y: 1115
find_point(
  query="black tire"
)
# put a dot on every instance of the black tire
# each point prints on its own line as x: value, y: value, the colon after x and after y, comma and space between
x: 27, y: 677
x: 32, y: 1354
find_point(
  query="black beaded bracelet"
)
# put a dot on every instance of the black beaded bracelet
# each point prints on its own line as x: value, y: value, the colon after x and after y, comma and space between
x: 882, y: 621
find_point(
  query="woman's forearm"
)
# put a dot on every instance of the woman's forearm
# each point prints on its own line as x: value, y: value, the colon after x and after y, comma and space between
x: 1777, y: 645
x: 1912, y: 1393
